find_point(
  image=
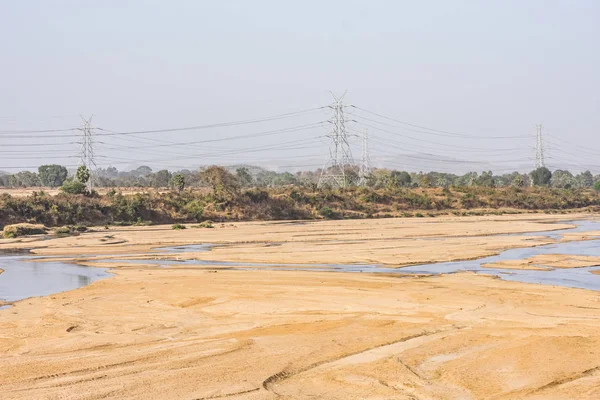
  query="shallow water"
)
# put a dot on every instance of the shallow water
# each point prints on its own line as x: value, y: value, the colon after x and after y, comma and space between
x: 573, y: 277
x: 581, y: 226
x: 22, y: 278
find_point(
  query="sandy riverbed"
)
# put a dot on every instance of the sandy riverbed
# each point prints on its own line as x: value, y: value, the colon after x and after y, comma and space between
x: 211, y: 333
x: 547, y: 261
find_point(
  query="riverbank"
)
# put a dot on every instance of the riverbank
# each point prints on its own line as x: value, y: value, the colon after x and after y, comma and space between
x: 199, y: 333
x: 288, y: 203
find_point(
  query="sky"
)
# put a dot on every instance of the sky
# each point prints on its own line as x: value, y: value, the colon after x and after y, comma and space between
x: 481, y: 74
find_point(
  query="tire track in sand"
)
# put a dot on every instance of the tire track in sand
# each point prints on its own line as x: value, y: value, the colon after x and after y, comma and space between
x: 368, y: 355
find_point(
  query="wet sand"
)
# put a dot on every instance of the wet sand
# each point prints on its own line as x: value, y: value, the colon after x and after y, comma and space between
x: 547, y: 261
x: 204, y: 333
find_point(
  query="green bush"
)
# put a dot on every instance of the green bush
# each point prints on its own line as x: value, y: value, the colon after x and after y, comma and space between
x: 194, y: 209
x: 327, y: 212
x: 73, y: 186
x: 178, y: 226
x: 205, y: 224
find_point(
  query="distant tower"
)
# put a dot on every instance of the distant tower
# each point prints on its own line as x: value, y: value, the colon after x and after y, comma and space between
x: 86, y: 154
x: 539, y: 147
x: 365, y: 165
x: 340, y: 156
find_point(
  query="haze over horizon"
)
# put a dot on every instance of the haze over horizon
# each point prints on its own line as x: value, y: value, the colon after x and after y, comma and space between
x: 481, y: 74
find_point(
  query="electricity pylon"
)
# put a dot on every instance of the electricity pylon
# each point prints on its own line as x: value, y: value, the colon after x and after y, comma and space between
x: 365, y: 165
x: 539, y: 147
x: 340, y: 155
x: 86, y: 154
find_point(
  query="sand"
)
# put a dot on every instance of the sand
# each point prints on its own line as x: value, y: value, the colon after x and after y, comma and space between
x: 205, y: 333
x: 547, y: 261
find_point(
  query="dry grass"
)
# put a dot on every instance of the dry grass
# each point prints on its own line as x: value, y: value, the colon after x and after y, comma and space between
x: 16, y: 230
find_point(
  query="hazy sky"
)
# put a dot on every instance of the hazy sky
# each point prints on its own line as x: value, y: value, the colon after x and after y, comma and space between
x: 482, y: 68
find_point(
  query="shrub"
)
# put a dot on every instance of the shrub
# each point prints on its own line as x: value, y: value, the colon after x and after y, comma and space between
x: 13, y: 231
x: 178, y: 226
x: 597, y: 186
x: 419, y: 215
x: 69, y: 229
x: 327, y: 212
x: 141, y: 222
x: 194, y: 209
x: 72, y: 186
x: 63, y: 230
x: 205, y: 224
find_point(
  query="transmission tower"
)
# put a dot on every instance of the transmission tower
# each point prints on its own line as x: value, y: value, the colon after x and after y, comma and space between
x: 340, y: 156
x: 86, y: 154
x: 539, y: 147
x: 365, y: 165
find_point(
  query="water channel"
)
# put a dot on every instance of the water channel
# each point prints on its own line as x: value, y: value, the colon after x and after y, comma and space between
x: 23, y: 277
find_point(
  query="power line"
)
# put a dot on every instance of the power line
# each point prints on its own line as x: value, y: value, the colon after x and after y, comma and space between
x: 227, y: 138
x: 29, y: 133
x: 217, y: 125
x: 36, y: 131
x: 433, y: 131
x: 424, y: 140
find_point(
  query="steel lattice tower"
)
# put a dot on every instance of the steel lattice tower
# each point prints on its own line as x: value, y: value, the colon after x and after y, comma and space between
x: 86, y: 154
x: 340, y: 155
x: 365, y: 165
x: 539, y: 148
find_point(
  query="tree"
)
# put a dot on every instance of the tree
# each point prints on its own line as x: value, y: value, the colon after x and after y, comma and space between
x: 52, y: 175
x: 518, y: 181
x: 162, y: 178
x: 23, y: 178
x: 224, y: 184
x: 397, y: 179
x: 112, y: 172
x: 243, y: 176
x: 83, y: 174
x: 425, y: 181
x: 485, y: 179
x: 179, y: 182
x: 597, y: 186
x: 541, y: 176
x: 443, y: 181
x: 584, y: 179
x: 562, y: 179
x: 467, y: 179
x: 142, y: 171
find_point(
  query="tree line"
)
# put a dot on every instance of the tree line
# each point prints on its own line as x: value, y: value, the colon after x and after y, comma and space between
x: 54, y: 175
